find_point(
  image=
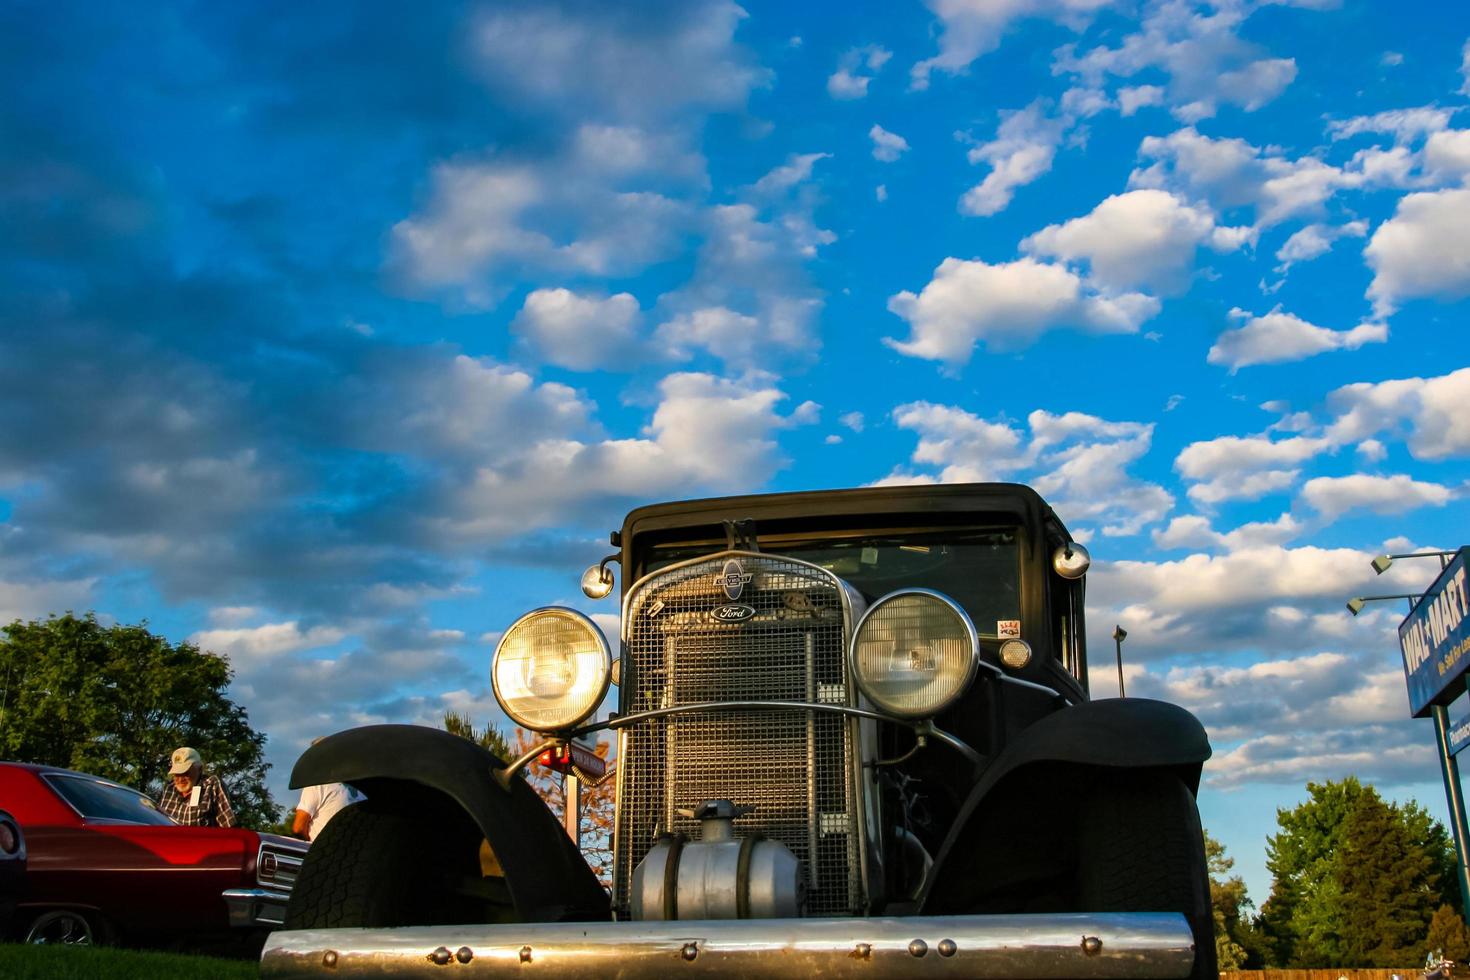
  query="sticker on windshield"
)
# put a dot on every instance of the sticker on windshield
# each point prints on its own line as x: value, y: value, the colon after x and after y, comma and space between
x: 1008, y: 629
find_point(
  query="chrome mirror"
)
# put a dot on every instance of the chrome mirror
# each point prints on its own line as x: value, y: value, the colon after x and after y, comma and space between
x: 597, y: 581
x: 1071, y: 560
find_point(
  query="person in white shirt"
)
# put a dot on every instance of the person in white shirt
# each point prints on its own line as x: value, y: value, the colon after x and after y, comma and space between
x: 319, y: 804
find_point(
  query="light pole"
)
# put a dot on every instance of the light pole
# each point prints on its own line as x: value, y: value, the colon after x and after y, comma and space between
x: 1448, y: 766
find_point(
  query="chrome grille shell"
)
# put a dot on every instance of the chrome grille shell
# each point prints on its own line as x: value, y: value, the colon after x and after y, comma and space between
x: 800, y: 770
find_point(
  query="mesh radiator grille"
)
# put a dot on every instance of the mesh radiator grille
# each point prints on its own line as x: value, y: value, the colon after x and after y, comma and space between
x: 792, y: 766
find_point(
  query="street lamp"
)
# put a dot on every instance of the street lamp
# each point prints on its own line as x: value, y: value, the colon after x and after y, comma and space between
x: 1382, y: 562
x: 1356, y: 603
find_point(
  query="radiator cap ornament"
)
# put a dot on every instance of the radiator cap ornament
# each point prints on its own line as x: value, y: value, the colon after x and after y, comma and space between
x: 733, y: 579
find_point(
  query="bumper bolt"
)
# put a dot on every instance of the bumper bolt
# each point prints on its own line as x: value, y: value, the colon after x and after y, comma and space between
x: 525, y: 954
x: 689, y: 952
x: 440, y: 956
x: 918, y: 948
x: 863, y: 950
x: 464, y: 954
x: 1091, y: 945
x: 947, y: 947
x: 329, y: 959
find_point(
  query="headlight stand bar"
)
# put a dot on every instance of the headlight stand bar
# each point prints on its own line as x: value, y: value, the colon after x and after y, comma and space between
x: 921, y: 727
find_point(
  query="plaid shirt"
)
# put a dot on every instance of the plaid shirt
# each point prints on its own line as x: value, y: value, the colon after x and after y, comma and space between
x: 213, y: 809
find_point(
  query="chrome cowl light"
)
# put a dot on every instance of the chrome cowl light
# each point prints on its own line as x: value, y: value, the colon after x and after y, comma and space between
x: 914, y: 652
x: 551, y: 669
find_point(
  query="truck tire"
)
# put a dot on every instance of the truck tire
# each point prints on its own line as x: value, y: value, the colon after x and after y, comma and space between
x: 1141, y: 849
x: 377, y: 868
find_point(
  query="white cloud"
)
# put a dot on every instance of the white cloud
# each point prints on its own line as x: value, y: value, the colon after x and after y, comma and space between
x: 1263, y: 596
x: 565, y: 62
x: 1431, y: 408
x: 1232, y: 173
x: 1143, y: 238
x: 1465, y: 68
x: 796, y: 170
x: 887, y: 146
x: 1088, y: 477
x: 1391, y: 59
x: 1422, y: 251
x: 855, y: 70
x: 1135, y: 97
x: 1447, y: 155
x: 545, y: 482
x: 853, y: 420
x: 1006, y: 306
x: 29, y: 600
x: 723, y: 332
x: 483, y: 225
x: 583, y: 333
x: 1244, y: 468
x: 1405, y: 125
x: 972, y: 28
x: 250, y: 648
x: 1194, y: 531
x: 1078, y: 461
x: 1205, y: 59
x: 1023, y: 149
x: 1334, y: 496
x: 1278, y: 337
x: 1315, y: 240
x: 880, y: 193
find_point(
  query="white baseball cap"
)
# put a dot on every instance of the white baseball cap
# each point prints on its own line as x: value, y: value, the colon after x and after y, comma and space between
x: 184, y: 759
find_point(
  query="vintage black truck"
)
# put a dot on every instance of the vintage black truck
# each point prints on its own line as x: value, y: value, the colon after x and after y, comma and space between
x: 854, y: 739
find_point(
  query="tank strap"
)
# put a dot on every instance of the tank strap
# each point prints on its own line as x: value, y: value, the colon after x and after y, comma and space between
x: 742, y: 876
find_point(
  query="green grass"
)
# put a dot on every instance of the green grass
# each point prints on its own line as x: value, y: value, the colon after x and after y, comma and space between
x: 19, y: 962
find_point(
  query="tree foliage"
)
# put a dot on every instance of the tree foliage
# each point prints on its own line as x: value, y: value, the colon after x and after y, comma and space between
x: 1448, y: 935
x: 598, y: 803
x: 1234, y: 935
x: 1357, y: 879
x: 115, y: 701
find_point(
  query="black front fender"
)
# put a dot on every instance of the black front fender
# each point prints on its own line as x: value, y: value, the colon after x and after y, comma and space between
x: 547, y: 877
x: 1028, y: 780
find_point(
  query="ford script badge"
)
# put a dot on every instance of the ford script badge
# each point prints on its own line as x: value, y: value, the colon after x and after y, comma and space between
x: 733, y: 578
x: 734, y: 612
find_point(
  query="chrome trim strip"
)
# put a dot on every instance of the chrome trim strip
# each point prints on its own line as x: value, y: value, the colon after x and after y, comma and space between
x: 250, y: 907
x: 1021, y: 947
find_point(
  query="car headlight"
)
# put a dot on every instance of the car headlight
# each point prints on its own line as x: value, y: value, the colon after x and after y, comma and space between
x: 914, y: 652
x: 551, y: 668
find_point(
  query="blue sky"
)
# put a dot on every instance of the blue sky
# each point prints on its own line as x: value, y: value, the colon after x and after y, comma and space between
x: 336, y: 338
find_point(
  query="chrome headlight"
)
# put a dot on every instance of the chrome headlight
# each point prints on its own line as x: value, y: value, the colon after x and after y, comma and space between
x: 551, y: 668
x: 914, y: 652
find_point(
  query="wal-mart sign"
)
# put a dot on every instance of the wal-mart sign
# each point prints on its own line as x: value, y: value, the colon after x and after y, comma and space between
x: 1435, y: 638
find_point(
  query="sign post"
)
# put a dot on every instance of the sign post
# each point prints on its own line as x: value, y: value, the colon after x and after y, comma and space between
x: 1435, y: 640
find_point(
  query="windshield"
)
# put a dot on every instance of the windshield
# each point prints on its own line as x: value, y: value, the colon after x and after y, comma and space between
x: 978, y: 568
x: 97, y: 799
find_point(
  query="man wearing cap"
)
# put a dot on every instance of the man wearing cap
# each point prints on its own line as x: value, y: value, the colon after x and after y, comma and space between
x: 195, y: 800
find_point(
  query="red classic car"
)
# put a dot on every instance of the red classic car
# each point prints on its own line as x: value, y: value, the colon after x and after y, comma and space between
x: 105, y: 865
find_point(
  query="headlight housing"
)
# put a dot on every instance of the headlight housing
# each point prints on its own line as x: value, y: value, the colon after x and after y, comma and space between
x: 914, y: 652
x: 550, y: 669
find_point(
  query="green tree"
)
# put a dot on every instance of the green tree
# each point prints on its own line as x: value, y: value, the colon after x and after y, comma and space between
x: 117, y: 700
x: 1389, y: 887
x: 1230, y: 902
x: 1333, y: 902
x: 1447, y: 933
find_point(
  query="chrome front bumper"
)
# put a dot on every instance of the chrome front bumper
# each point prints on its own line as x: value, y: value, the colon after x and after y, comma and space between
x: 1020, y: 947
x: 258, y: 907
